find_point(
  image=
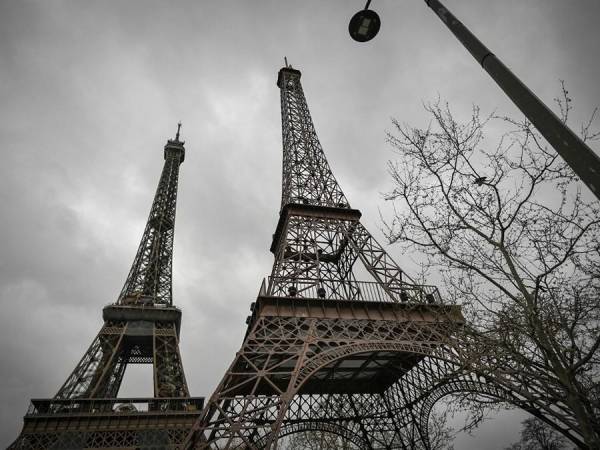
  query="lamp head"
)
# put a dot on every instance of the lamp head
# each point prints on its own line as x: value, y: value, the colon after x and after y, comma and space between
x: 364, y: 25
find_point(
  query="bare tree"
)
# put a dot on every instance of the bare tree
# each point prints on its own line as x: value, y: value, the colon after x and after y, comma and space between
x: 517, y: 242
x: 537, y: 435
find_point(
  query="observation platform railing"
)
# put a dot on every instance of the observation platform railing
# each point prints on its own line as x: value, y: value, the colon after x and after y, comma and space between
x: 355, y: 290
x: 114, y: 406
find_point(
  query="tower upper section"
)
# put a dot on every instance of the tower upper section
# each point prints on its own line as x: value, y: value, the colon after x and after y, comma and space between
x: 174, y: 147
x: 319, y: 238
x: 150, y: 279
x: 307, y: 178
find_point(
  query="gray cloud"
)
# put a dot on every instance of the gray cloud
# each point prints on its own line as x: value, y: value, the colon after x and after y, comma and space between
x: 89, y: 93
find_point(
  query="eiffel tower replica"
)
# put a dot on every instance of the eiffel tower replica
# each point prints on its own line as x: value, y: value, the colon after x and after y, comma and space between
x: 141, y: 327
x: 323, y: 349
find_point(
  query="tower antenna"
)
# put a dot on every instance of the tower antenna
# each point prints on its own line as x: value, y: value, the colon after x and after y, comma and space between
x: 178, y: 128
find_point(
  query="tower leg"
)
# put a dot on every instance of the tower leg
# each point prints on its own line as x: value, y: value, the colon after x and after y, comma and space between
x: 169, y: 377
x: 251, y: 402
x: 91, y: 377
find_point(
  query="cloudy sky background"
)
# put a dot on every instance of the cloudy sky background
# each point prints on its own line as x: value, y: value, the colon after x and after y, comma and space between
x: 90, y: 92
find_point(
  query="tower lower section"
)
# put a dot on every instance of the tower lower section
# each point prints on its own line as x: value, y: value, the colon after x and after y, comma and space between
x: 346, y: 367
x: 87, y: 413
x: 131, y: 335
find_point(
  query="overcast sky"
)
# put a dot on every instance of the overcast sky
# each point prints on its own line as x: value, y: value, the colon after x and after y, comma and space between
x: 91, y: 91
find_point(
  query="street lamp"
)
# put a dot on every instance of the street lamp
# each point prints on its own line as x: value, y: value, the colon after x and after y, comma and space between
x: 578, y: 155
x: 364, y: 25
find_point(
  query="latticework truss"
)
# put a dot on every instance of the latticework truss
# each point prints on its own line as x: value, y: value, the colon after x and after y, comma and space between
x: 307, y: 177
x: 149, y: 279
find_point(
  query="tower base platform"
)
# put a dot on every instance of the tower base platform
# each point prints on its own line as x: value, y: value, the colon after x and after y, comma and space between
x: 118, y: 423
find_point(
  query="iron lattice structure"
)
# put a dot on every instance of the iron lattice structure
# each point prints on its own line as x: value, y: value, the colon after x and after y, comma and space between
x: 325, y: 350
x: 141, y: 327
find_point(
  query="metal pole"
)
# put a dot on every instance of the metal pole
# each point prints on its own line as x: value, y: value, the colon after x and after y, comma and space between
x: 582, y: 159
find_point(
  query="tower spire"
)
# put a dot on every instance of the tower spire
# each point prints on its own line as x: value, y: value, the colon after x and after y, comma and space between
x: 307, y: 177
x: 150, y: 278
x: 178, y: 129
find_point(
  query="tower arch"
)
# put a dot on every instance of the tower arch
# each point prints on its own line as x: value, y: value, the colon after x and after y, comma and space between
x: 340, y: 430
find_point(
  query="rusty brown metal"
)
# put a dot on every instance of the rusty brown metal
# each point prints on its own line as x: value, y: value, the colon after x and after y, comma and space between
x: 325, y: 350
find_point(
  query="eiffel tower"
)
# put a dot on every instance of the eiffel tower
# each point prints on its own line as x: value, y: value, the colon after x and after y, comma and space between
x: 141, y: 327
x: 325, y: 350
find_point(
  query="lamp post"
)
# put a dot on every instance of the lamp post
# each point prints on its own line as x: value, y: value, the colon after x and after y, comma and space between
x: 578, y: 155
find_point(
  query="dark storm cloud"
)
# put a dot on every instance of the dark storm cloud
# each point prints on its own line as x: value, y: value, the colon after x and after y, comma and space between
x: 89, y: 93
